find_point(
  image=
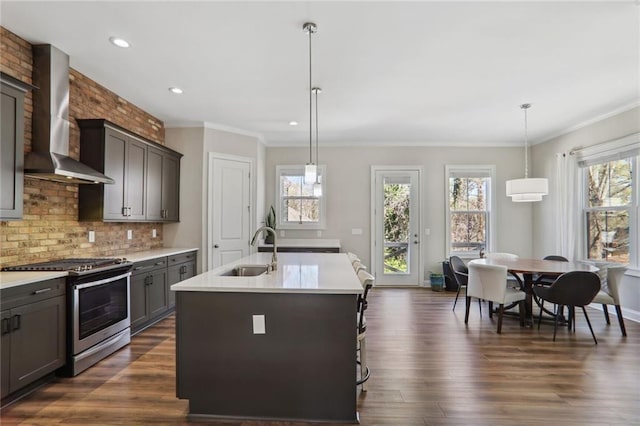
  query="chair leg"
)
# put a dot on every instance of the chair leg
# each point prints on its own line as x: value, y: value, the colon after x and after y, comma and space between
x: 606, y: 313
x: 589, y: 323
x: 555, y: 324
x: 500, y: 313
x: 521, y: 309
x: 490, y: 309
x: 363, y: 362
x: 457, y: 294
x: 621, y: 320
x: 540, y: 316
x: 466, y: 311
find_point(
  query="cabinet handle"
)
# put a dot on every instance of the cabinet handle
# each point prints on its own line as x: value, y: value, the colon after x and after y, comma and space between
x: 16, y: 322
x: 159, y: 263
x: 6, y: 329
x: 124, y: 211
x: 42, y: 290
x: 129, y: 208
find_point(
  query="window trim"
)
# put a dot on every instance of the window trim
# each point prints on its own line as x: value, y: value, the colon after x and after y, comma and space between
x: 490, y: 169
x: 296, y: 168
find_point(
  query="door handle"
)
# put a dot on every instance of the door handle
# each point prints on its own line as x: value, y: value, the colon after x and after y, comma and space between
x: 6, y: 329
x: 16, y: 322
x: 216, y: 246
x: 416, y: 242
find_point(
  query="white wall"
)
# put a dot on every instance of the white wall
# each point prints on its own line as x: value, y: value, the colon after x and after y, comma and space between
x: 196, y: 143
x: 543, y: 159
x: 349, y: 204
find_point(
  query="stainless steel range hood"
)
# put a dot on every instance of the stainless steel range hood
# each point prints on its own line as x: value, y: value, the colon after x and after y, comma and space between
x: 49, y: 157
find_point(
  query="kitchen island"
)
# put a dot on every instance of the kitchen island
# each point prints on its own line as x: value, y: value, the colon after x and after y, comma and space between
x: 281, y: 345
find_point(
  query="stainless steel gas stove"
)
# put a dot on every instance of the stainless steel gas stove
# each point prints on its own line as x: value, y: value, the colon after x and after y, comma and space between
x: 98, y: 307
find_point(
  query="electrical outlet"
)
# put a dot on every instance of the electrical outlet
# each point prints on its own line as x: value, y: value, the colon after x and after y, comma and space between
x: 427, y: 231
x: 318, y: 233
x: 259, y: 324
x: 129, y: 234
x: 356, y: 231
x: 92, y: 236
x: 154, y: 233
x: 282, y: 233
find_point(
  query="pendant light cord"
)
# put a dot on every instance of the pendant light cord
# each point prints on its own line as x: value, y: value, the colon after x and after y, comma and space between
x: 316, y: 90
x: 310, y: 28
x: 526, y: 141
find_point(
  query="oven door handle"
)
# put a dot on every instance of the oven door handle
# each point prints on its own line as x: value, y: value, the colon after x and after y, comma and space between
x: 105, y: 281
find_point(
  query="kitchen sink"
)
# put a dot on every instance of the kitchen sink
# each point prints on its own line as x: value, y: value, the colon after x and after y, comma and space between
x: 246, y: 271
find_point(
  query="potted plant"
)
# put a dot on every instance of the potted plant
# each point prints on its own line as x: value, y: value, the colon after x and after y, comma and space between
x: 270, y: 221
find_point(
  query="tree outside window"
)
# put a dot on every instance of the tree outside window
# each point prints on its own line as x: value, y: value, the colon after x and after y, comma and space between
x: 609, y: 200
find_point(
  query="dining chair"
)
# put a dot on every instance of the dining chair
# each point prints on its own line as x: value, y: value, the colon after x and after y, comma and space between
x: 549, y: 279
x: 358, y: 266
x: 609, y: 293
x: 367, y: 280
x: 460, y: 273
x: 352, y: 257
x: 488, y: 282
x: 513, y: 280
x: 571, y: 289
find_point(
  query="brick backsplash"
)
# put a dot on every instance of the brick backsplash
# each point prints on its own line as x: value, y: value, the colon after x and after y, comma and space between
x: 50, y: 228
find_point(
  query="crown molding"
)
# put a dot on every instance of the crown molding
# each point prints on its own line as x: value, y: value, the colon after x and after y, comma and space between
x: 215, y: 126
x: 394, y: 144
x: 619, y: 110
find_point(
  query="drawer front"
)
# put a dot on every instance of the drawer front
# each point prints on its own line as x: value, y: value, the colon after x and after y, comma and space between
x: 149, y: 265
x: 181, y: 258
x: 33, y: 292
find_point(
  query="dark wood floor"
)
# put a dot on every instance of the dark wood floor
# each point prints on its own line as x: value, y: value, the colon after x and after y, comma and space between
x: 427, y: 368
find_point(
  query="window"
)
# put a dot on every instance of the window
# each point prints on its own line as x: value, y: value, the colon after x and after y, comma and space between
x: 469, y: 206
x: 298, y: 207
x: 611, y: 194
x: 609, y: 209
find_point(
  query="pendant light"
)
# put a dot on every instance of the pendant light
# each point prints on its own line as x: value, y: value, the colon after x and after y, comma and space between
x: 310, y: 170
x: 527, y: 189
x: 317, y: 186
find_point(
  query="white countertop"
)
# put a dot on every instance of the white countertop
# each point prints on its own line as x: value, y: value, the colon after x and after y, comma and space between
x: 141, y: 256
x: 304, y: 242
x: 12, y: 279
x: 323, y: 273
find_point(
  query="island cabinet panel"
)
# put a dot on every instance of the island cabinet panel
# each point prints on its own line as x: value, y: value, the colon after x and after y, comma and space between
x: 146, y: 176
x: 303, y: 368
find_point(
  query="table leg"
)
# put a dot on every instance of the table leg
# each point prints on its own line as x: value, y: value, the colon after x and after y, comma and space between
x: 528, y: 301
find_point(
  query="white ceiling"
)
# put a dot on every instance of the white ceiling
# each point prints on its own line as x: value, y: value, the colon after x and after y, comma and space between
x: 410, y: 73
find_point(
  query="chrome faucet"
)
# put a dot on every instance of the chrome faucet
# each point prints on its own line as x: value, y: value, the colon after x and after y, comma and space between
x: 274, y: 255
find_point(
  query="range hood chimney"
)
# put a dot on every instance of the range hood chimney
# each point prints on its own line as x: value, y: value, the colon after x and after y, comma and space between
x: 49, y: 157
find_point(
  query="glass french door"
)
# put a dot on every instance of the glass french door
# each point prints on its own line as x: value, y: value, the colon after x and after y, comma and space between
x: 396, y: 245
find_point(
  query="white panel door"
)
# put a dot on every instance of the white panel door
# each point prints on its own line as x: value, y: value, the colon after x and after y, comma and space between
x: 396, y: 242
x: 230, y: 210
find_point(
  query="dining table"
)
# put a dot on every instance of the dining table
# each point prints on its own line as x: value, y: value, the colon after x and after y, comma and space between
x: 529, y: 268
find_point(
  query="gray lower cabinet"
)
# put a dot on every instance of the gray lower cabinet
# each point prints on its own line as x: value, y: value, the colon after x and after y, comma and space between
x: 149, y: 293
x: 33, y: 333
x: 181, y: 267
x: 12, y: 146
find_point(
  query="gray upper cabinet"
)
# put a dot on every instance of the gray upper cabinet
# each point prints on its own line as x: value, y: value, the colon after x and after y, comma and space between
x: 12, y: 146
x: 163, y: 179
x: 146, y: 176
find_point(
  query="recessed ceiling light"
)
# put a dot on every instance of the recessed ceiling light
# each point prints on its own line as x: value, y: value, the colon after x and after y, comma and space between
x: 120, y: 42
x: 293, y: 123
x: 175, y: 90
